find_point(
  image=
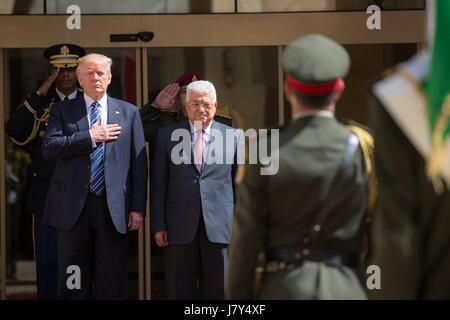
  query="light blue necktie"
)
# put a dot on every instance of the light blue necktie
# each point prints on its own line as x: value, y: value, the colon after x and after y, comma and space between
x: 97, y: 180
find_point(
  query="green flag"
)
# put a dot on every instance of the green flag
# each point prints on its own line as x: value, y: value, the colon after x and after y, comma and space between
x: 437, y: 88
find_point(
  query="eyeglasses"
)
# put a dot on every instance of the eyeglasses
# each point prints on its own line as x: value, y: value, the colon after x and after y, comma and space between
x: 196, y: 105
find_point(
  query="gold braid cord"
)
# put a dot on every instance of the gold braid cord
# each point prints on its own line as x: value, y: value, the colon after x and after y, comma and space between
x: 367, y: 147
x: 36, y: 123
x: 439, y: 149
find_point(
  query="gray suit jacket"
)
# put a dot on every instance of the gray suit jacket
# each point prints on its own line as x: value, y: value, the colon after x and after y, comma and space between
x: 180, y: 193
x: 68, y: 141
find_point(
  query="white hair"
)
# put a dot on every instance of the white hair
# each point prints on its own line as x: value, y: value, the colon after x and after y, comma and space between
x: 201, y: 86
x: 97, y: 59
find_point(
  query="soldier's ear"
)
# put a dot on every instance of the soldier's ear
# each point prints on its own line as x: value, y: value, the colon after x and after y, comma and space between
x: 287, y: 89
x: 339, y: 90
x: 289, y: 92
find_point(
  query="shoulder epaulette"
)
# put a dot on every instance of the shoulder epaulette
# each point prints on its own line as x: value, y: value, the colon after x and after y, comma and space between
x: 228, y: 117
x: 367, y: 145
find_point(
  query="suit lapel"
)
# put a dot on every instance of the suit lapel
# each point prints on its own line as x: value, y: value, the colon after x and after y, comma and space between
x: 206, y: 153
x: 186, y: 125
x: 114, y: 116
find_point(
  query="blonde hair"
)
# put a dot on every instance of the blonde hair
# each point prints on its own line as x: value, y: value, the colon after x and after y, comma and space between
x: 97, y: 59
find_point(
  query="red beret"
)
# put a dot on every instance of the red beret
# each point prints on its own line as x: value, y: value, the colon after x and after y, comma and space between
x: 187, y: 78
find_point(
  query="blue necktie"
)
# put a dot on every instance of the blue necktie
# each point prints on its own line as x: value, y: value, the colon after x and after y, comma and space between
x: 97, y: 180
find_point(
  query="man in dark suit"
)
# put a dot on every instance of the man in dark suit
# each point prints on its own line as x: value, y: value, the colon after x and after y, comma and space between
x: 192, y: 201
x: 308, y: 218
x: 26, y: 127
x: 99, y: 185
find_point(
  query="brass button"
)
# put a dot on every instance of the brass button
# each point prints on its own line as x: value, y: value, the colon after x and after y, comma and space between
x: 305, y: 252
x: 317, y: 228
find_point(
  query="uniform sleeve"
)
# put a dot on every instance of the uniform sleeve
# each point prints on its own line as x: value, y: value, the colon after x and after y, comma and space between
x: 23, y: 123
x: 395, y: 230
x: 151, y: 123
x: 248, y: 233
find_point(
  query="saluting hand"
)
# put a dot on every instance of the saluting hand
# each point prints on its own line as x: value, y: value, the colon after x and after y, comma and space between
x: 43, y: 89
x: 105, y: 133
x: 166, y: 98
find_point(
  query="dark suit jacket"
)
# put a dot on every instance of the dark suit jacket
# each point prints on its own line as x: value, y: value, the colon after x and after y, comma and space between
x: 180, y: 193
x: 68, y: 141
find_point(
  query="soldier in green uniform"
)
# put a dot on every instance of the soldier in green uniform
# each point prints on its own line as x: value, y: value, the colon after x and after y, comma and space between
x: 26, y: 127
x: 307, y: 218
x: 410, y: 120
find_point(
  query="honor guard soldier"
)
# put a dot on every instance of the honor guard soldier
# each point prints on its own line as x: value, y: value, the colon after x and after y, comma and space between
x: 26, y: 127
x: 308, y: 217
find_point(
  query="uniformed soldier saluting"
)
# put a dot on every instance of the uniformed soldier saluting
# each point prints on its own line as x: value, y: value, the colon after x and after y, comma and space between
x: 308, y: 217
x: 26, y: 127
x: 156, y: 115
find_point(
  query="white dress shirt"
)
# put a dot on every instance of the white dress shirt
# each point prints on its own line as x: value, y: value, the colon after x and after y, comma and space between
x: 71, y: 96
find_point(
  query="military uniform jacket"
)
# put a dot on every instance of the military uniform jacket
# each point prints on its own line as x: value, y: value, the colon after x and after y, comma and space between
x: 154, y: 119
x: 277, y: 211
x: 26, y: 127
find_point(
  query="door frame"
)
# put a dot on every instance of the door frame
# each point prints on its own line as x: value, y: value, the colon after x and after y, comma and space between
x: 265, y: 29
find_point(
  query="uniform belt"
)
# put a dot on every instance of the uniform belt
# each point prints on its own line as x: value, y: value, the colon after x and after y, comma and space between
x: 289, y: 258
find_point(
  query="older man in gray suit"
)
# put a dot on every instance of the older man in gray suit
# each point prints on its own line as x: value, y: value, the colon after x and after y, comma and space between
x: 192, y: 196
